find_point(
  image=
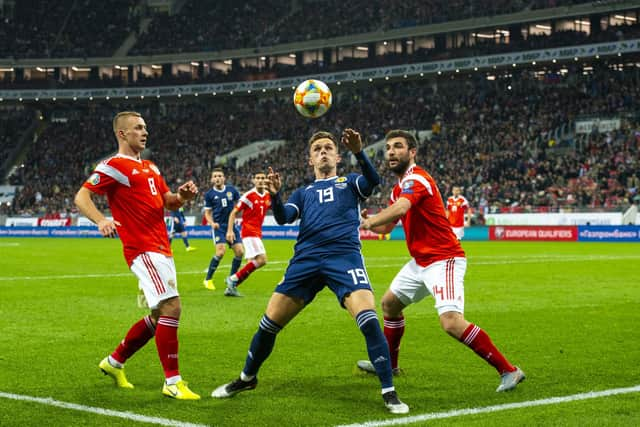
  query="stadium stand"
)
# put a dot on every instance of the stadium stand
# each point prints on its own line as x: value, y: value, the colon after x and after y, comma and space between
x: 496, y: 139
x: 240, y: 73
x: 66, y: 28
x: 198, y: 28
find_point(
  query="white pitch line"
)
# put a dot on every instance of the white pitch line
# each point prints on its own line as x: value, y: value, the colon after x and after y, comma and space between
x: 495, y: 408
x: 101, y: 411
x: 401, y: 262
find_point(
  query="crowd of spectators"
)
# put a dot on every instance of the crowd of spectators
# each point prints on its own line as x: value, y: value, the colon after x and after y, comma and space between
x: 491, y: 46
x: 220, y: 25
x: 490, y: 137
x: 90, y: 28
x: 67, y: 28
x: 13, y: 123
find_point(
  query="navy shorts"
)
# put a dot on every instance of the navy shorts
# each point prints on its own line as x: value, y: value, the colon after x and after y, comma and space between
x: 220, y: 236
x: 307, y: 275
x: 178, y: 227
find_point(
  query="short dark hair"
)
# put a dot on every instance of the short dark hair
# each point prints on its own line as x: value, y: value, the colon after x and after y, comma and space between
x: 322, y: 134
x: 412, y: 142
x: 217, y: 169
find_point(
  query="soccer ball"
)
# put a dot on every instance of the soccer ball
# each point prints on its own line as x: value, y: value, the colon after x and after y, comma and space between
x: 312, y: 98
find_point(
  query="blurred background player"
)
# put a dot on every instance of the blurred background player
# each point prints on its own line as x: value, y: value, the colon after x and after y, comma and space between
x: 254, y: 205
x: 178, y: 224
x: 138, y: 195
x: 458, y: 212
x: 218, y: 204
x: 327, y: 253
x: 438, y: 263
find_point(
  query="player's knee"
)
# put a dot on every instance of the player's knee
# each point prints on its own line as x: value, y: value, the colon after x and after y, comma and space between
x: 452, y: 323
x: 170, y: 307
x: 391, y: 305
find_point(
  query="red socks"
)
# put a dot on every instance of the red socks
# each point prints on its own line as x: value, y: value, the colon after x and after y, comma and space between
x: 393, y: 332
x: 167, y: 344
x: 478, y: 340
x: 139, y: 334
x: 246, y: 271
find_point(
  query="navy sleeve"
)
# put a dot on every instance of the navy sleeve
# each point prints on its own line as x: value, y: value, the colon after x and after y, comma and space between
x: 284, y: 214
x: 369, y: 178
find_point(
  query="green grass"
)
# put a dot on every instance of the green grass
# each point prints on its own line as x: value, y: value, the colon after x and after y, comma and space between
x: 567, y: 313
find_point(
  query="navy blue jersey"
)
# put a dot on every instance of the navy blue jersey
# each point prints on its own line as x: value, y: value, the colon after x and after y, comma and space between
x: 327, y: 252
x: 178, y: 221
x: 179, y: 215
x: 221, y: 203
x: 329, y: 213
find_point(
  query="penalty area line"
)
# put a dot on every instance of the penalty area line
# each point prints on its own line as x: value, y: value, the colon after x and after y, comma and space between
x: 495, y: 408
x: 100, y: 411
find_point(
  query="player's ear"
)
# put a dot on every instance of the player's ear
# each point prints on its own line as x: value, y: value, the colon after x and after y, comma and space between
x: 310, y: 161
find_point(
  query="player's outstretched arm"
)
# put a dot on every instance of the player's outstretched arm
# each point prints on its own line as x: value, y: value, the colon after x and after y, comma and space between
x: 352, y: 140
x: 274, y: 182
x: 282, y: 213
x: 387, y: 216
x: 84, y: 202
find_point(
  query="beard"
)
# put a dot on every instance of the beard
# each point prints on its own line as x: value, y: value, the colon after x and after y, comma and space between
x: 401, y: 166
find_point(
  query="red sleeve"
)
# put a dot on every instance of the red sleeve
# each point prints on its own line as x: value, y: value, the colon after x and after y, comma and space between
x: 99, y: 183
x: 414, y: 189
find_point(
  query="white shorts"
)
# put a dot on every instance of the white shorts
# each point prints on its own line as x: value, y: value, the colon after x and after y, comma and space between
x: 156, y: 277
x: 442, y: 279
x: 459, y: 232
x: 253, y: 247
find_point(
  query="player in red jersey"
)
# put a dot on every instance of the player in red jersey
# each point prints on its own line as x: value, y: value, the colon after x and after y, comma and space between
x: 438, y: 264
x: 254, y: 205
x: 138, y: 195
x: 458, y: 212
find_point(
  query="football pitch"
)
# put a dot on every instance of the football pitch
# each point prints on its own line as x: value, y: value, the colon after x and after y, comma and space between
x: 567, y: 313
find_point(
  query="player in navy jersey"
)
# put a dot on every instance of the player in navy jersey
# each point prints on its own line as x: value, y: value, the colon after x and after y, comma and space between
x: 327, y: 253
x: 218, y: 204
x: 178, y: 224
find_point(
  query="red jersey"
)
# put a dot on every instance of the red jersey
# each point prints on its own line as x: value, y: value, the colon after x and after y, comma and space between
x: 457, y: 206
x: 428, y: 233
x: 253, y: 206
x: 134, y: 190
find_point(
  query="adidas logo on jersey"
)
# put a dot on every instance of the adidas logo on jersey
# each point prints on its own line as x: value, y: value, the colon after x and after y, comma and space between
x: 135, y: 172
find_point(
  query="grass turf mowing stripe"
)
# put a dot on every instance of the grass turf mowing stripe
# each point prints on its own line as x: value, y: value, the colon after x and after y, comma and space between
x: 402, y: 261
x: 100, y: 411
x: 496, y: 408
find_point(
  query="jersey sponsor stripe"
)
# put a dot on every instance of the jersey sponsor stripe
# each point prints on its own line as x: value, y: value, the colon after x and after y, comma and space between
x: 421, y: 179
x: 113, y: 173
x: 153, y: 273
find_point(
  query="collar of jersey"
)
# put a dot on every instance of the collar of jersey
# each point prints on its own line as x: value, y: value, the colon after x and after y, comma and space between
x: 326, y: 179
x: 128, y: 157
